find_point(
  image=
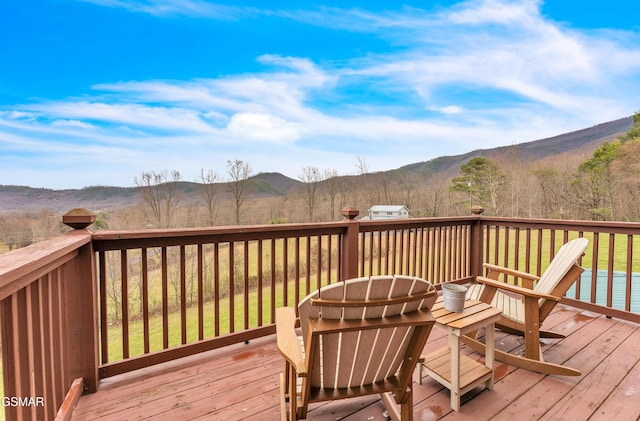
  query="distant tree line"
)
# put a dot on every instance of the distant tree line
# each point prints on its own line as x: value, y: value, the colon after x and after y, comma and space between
x: 19, y: 229
x: 602, y: 186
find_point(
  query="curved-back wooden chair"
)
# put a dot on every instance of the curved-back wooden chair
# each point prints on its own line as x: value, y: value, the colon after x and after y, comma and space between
x: 362, y: 336
x: 536, y: 297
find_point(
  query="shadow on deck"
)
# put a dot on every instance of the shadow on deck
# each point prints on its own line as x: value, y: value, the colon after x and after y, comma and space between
x: 240, y: 382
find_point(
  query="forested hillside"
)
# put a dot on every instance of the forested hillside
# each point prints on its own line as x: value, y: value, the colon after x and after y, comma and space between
x: 587, y: 174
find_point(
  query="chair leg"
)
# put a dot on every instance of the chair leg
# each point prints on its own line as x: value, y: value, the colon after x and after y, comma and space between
x: 293, y: 395
x: 283, y: 397
x: 288, y: 393
x: 532, y: 329
x: 406, y: 408
x: 417, y: 372
x: 391, y: 406
x: 286, y: 379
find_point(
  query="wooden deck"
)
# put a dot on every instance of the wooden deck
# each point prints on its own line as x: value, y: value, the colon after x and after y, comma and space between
x: 241, y: 382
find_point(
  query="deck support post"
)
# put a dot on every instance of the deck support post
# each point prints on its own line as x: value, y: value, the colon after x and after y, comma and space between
x: 81, y: 305
x: 349, y: 263
x: 476, y: 257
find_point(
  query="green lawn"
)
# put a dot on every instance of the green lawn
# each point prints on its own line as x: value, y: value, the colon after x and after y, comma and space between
x: 136, y: 331
x: 618, y: 256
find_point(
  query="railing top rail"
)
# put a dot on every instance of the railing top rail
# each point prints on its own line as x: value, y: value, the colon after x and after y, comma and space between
x: 391, y: 224
x: 22, y: 266
x: 572, y: 225
x: 116, y: 240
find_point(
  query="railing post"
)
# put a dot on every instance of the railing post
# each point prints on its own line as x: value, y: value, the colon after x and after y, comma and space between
x: 349, y: 263
x: 81, y: 306
x: 476, y: 252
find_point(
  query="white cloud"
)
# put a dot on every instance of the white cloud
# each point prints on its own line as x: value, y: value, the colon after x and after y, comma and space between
x: 506, y: 46
x: 196, y: 94
x: 135, y: 115
x: 284, y: 90
x: 191, y: 8
x: 518, y: 13
x: 17, y: 115
x: 509, y: 49
x: 263, y: 127
x: 216, y: 116
x: 72, y: 123
x: 449, y: 109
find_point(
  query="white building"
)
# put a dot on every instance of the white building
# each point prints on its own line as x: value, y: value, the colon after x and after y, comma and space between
x: 379, y: 212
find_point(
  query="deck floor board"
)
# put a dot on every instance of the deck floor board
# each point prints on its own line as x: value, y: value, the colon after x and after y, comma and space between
x: 241, y: 382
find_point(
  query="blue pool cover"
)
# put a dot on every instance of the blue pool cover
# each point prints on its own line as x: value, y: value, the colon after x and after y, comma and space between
x: 619, y: 289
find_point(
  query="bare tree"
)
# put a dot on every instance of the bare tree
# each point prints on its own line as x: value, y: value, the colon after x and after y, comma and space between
x: 47, y: 225
x: 349, y: 194
x: 311, y: 178
x: 362, y: 167
x: 173, y: 273
x: 436, y: 198
x: 159, y: 192
x: 553, y: 193
x: 385, y: 188
x: 511, y: 199
x: 364, y: 183
x: 595, y: 181
x: 209, y: 191
x: 113, y: 285
x: 239, y: 173
x: 332, y: 188
x: 16, y: 232
x: 409, y: 188
x: 628, y: 166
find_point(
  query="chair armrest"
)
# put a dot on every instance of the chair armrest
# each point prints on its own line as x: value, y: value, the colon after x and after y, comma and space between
x: 287, y: 339
x: 415, y: 318
x: 515, y: 288
x: 511, y: 272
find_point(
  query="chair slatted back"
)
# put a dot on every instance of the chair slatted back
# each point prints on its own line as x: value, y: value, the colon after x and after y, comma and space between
x: 568, y: 255
x: 364, y: 356
x: 562, y: 263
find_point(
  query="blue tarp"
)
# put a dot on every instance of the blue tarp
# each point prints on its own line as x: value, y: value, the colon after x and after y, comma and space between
x: 619, y: 289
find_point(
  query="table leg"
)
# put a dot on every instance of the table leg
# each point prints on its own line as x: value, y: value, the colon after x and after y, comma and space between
x: 454, y: 343
x: 489, y: 360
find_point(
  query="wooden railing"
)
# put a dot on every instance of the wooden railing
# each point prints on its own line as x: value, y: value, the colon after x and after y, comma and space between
x: 611, y: 282
x: 168, y: 294
x: 92, y: 305
x: 49, y: 318
x: 437, y: 249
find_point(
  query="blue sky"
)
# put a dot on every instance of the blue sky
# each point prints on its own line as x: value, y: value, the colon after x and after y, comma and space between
x: 94, y: 92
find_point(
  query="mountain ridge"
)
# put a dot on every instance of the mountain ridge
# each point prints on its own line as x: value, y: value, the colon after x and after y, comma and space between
x: 268, y: 184
x: 589, y: 138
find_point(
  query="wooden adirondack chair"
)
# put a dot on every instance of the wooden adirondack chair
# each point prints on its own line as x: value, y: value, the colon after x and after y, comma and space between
x: 362, y: 336
x: 524, y: 314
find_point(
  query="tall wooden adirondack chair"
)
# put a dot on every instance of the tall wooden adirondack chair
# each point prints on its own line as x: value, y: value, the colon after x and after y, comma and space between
x: 362, y: 336
x: 536, y: 297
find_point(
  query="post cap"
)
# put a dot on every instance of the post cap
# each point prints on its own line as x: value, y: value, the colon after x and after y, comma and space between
x: 477, y: 209
x: 350, y: 212
x: 78, y: 218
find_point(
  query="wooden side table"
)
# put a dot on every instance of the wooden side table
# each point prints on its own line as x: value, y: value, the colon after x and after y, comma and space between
x: 456, y: 372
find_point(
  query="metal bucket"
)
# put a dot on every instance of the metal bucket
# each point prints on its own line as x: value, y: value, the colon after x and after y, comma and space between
x: 453, y: 296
